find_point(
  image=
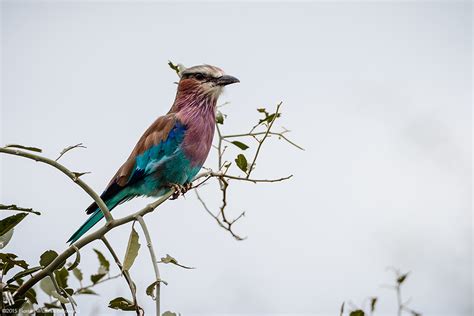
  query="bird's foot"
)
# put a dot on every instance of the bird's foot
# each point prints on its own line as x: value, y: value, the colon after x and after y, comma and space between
x: 180, y: 189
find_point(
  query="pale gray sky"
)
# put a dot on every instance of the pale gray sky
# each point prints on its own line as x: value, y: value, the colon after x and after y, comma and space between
x: 378, y: 94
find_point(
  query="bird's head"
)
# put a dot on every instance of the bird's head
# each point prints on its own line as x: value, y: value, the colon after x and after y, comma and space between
x: 205, y: 80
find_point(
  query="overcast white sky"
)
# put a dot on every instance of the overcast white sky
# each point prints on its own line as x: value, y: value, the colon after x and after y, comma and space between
x: 378, y: 94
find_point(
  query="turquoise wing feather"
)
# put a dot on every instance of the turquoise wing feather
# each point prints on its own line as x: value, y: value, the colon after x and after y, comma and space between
x: 156, y: 161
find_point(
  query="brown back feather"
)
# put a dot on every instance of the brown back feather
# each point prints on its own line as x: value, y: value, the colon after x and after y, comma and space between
x: 157, y: 132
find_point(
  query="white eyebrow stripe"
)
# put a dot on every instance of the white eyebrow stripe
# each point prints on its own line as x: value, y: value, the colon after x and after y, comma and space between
x: 204, y: 69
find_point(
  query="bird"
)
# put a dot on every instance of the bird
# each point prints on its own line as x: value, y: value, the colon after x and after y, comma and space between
x: 173, y: 149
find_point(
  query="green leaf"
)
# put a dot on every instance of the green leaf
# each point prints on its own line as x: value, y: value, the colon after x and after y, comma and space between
x: 373, y: 302
x: 59, y: 297
x: 78, y: 274
x: 174, y: 67
x: 103, y: 262
x: 169, y: 259
x: 30, y: 293
x: 357, y: 312
x: 168, y: 313
x: 132, y: 250
x: 13, y: 207
x: 20, y: 282
x: 26, y: 309
x: 52, y: 306
x: 31, y: 296
x: 263, y: 110
x: 69, y: 291
x: 47, y: 257
x: 18, y: 304
x: 8, y: 261
x: 402, y: 278
x: 122, y: 303
x: 150, y: 289
x: 242, y: 162
x: 47, y: 286
x: 219, y: 118
x: 61, y: 277
x: 97, y: 277
x: 23, y: 273
x: 87, y: 291
x: 269, y: 118
x: 43, y: 311
x: 5, y: 238
x: 8, y: 223
x: 35, y: 149
x: 240, y: 145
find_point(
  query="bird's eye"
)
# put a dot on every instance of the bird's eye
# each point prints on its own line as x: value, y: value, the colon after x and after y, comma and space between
x: 199, y: 76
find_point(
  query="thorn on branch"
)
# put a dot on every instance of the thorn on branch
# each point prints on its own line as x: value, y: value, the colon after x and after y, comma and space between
x: 77, y: 175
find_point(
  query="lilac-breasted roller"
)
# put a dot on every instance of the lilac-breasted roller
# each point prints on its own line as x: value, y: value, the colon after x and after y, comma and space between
x: 173, y: 149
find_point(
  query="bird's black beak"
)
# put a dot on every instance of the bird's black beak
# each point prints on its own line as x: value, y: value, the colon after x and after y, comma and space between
x: 225, y: 80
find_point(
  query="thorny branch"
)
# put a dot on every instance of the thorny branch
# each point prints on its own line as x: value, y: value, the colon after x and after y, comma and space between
x: 72, y: 175
x: 223, y: 166
x: 254, y: 135
x: 221, y: 175
x: 96, y: 235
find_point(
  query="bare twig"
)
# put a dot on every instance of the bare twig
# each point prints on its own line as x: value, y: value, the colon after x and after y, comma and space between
x: 30, y: 148
x: 260, y: 142
x: 212, y: 174
x: 67, y: 172
x: 87, y: 287
x: 65, y: 150
x: 252, y: 134
x: 13, y: 207
x: 83, y: 288
x: 202, y: 182
x: 228, y: 176
x: 154, y: 262
x: 226, y: 225
x: 220, y: 151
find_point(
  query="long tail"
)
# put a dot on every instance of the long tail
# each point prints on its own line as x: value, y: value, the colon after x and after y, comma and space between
x: 96, y: 216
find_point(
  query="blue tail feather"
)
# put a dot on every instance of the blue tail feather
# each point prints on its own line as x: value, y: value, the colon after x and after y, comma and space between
x: 91, y: 221
x: 96, y: 216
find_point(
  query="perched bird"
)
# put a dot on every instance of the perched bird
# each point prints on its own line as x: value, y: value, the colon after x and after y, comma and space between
x: 173, y: 149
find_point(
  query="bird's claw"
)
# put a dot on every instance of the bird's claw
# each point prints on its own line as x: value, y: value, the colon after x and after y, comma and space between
x: 180, y: 189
